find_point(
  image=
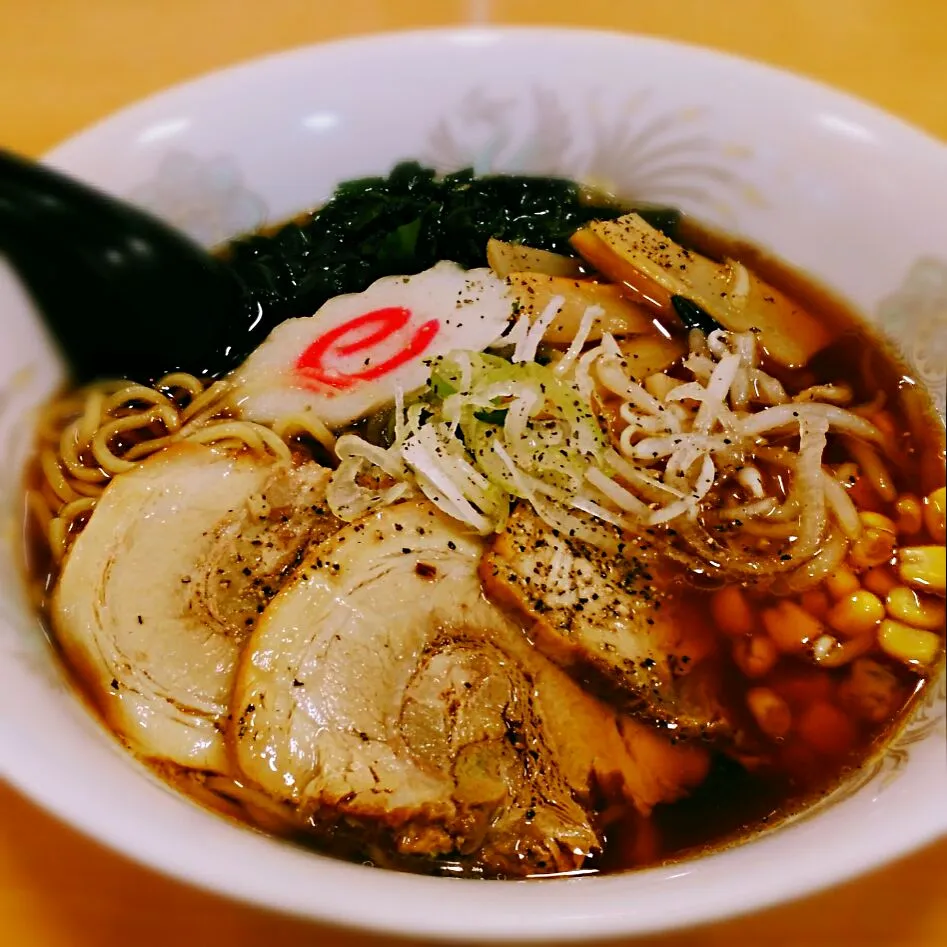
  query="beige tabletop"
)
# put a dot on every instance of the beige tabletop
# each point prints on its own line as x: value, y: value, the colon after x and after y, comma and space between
x: 66, y: 63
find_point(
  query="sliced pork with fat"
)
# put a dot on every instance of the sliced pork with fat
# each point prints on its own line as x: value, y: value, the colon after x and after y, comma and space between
x: 605, y: 620
x: 381, y: 690
x: 162, y: 587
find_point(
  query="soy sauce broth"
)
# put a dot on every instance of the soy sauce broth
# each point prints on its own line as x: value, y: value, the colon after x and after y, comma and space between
x: 738, y: 800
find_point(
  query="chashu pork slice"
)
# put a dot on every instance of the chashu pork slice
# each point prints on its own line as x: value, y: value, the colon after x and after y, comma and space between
x: 163, y: 586
x: 607, y: 621
x: 380, y: 689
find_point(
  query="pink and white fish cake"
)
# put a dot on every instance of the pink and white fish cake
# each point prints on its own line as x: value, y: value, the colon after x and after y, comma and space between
x: 348, y: 358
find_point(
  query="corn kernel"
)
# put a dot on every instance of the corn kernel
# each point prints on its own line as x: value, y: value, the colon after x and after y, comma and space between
x: 816, y: 602
x: 910, y: 517
x: 870, y: 690
x: 876, y: 543
x: 732, y: 612
x: 872, y: 520
x: 880, y: 580
x: 827, y: 729
x: 755, y: 655
x: 791, y: 627
x: 771, y: 712
x: 842, y: 582
x: 801, y: 684
x: 924, y: 567
x: 911, y: 645
x: 829, y: 652
x: 921, y: 611
x: 935, y: 514
x: 856, y: 614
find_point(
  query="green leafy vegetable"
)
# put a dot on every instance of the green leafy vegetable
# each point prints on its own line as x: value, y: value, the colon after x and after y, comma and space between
x: 495, y: 416
x: 484, y: 432
x: 405, y: 223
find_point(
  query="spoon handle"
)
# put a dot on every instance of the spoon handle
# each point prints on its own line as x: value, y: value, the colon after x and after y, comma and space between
x: 124, y: 294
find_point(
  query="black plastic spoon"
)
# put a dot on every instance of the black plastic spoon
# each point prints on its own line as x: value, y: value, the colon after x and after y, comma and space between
x: 123, y: 293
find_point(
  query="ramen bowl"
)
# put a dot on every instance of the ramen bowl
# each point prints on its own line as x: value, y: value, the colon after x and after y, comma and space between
x: 848, y: 195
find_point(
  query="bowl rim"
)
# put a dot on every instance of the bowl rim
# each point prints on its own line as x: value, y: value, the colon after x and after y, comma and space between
x: 215, y: 875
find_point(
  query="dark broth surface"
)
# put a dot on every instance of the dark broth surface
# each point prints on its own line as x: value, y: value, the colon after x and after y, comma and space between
x: 735, y: 801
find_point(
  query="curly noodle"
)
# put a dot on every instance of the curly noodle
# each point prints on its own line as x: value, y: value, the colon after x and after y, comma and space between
x: 88, y: 436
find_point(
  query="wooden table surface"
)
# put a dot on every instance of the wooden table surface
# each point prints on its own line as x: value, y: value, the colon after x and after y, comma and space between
x: 65, y: 63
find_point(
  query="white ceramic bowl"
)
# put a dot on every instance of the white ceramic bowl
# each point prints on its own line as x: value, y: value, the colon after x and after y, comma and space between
x: 848, y: 194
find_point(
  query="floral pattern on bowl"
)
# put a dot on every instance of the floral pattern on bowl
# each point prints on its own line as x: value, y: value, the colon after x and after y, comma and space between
x: 644, y: 153
x: 915, y: 317
x: 206, y: 198
x: 19, y: 401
